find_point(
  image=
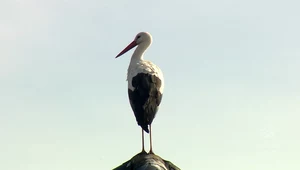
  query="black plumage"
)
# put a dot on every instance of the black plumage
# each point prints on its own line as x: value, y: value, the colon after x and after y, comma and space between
x: 145, y: 98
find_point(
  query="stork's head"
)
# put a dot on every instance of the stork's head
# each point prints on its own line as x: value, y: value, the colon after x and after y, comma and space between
x: 141, y: 39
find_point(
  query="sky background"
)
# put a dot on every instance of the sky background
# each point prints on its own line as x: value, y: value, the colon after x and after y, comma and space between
x: 232, y: 84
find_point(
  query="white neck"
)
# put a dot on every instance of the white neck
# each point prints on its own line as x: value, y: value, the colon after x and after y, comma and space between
x: 138, y: 53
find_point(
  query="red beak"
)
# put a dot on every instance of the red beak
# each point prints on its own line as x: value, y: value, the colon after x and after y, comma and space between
x: 129, y: 47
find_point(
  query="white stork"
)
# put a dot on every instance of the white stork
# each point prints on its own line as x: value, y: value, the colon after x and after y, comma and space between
x: 145, y: 84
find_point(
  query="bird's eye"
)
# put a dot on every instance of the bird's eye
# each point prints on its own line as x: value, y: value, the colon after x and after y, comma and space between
x: 138, y: 37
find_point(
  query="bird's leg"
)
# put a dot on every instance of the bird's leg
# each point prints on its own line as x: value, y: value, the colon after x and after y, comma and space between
x: 151, y: 151
x: 143, y: 146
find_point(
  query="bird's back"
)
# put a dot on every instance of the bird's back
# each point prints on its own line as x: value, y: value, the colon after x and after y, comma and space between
x: 145, y: 88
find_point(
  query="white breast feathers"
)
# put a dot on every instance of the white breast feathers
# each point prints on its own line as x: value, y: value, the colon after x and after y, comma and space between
x: 143, y: 66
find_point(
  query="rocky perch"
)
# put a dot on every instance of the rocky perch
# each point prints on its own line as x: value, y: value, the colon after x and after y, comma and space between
x: 145, y: 161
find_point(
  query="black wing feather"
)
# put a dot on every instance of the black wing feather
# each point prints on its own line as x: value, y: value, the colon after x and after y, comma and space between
x: 145, y: 98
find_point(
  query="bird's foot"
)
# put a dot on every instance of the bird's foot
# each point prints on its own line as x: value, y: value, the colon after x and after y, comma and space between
x: 143, y: 152
x: 151, y: 152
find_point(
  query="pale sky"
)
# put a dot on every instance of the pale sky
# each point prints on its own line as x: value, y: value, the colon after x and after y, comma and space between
x: 232, y: 84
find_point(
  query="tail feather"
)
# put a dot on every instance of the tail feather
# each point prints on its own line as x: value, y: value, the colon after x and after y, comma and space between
x: 145, y: 128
